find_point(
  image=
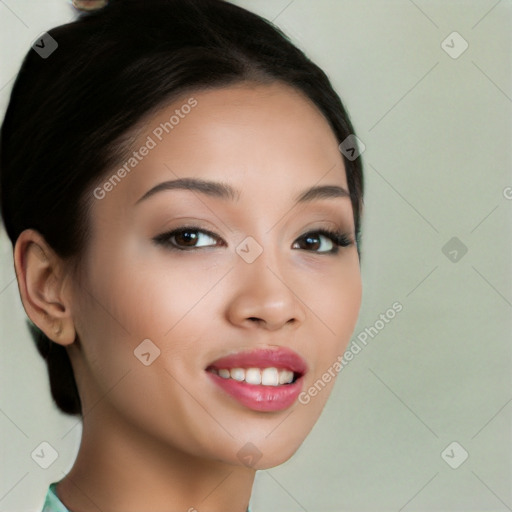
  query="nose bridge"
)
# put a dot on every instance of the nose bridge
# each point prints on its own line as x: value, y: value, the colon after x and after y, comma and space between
x: 262, y: 290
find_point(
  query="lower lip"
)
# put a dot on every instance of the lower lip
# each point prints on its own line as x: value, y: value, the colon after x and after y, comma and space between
x: 260, y: 398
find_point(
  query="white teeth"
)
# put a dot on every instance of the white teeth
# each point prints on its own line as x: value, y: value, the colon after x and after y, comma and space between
x: 253, y: 376
x: 237, y: 374
x: 285, y: 376
x: 270, y: 377
x: 266, y: 376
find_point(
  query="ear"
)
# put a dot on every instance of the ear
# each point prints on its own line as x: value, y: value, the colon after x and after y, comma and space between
x: 44, y: 287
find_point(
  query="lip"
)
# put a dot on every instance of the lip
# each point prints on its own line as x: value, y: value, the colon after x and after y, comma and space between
x: 258, y: 397
x: 281, y: 358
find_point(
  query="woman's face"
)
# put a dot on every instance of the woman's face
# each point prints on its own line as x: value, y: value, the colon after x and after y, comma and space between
x: 243, y: 277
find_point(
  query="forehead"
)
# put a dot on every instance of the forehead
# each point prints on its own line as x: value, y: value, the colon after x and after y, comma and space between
x: 261, y: 139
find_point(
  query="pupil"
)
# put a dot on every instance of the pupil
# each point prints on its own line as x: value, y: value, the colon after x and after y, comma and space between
x: 186, y: 235
x: 312, y: 240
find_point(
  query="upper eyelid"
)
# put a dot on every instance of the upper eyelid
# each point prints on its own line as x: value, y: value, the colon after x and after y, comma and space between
x: 215, y: 235
x: 332, y: 224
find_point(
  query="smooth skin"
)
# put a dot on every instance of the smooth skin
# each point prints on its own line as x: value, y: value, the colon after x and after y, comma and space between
x: 163, y: 437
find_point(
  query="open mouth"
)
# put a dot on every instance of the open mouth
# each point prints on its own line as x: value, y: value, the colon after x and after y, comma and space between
x: 270, y: 376
x: 261, y: 379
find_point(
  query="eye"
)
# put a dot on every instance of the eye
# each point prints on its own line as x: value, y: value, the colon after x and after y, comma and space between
x: 186, y: 237
x: 334, y: 240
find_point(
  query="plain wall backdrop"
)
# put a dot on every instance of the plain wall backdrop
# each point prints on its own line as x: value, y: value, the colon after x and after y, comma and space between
x: 428, y: 87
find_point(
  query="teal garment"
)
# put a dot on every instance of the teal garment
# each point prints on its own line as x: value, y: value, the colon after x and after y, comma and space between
x: 53, y: 504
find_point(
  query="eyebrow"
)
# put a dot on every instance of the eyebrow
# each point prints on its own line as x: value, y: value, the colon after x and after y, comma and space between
x: 227, y: 192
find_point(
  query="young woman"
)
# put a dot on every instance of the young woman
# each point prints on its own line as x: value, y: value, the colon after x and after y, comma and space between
x: 185, y: 231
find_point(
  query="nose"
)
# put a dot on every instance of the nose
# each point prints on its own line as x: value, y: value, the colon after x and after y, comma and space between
x: 264, y: 296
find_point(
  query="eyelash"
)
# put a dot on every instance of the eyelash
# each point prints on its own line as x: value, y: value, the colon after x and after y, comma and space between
x: 338, y: 238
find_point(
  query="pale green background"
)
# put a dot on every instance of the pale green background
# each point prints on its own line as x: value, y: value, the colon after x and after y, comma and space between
x: 437, y: 132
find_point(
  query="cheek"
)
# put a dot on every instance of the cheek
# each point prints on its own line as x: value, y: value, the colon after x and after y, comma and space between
x: 345, y: 311
x: 334, y: 305
x: 334, y: 301
x: 134, y: 294
x: 133, y: 297
x: 126, y: 304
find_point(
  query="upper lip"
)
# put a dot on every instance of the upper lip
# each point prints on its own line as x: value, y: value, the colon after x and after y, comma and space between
x: 281, y: 357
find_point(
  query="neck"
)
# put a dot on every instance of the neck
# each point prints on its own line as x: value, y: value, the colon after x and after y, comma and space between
x: 120, y: 469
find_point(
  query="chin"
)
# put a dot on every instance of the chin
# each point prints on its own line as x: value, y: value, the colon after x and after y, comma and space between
x: 275, y: 459
x: 267, y: 454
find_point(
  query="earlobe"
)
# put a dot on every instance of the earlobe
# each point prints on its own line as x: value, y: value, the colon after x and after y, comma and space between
x: 42, y: 284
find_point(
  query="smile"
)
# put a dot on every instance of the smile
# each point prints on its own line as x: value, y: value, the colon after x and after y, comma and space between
x: 266, y: 377
x: 262, y: 379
